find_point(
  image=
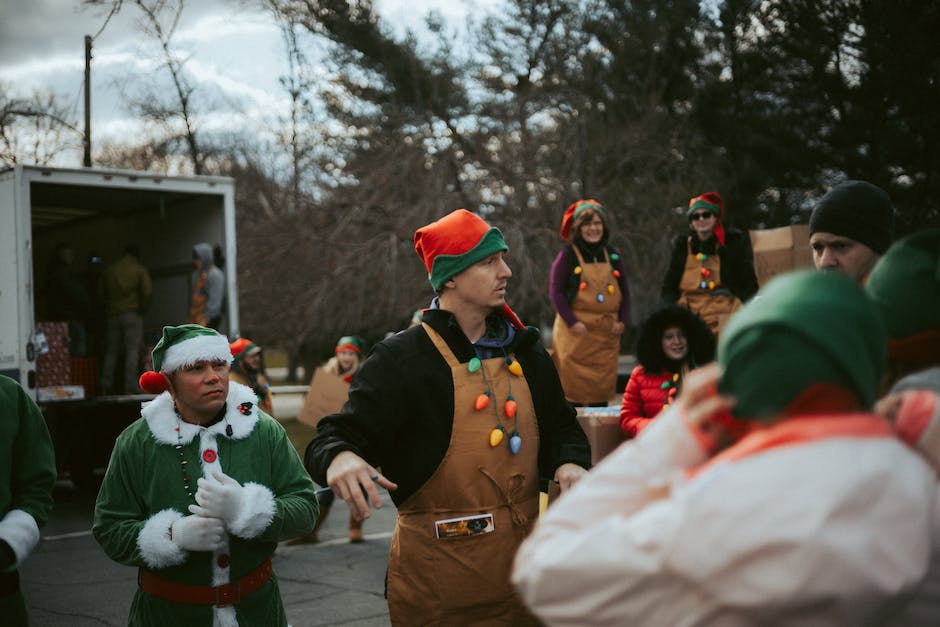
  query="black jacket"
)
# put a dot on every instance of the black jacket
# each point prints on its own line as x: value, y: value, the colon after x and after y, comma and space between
x: 737, y: 264
x: 401, y: 408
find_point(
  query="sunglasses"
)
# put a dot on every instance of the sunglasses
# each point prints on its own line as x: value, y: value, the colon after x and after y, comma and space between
x: 701, y: 215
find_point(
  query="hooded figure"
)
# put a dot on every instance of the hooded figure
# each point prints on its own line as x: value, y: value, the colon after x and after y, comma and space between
x: 208, y: 289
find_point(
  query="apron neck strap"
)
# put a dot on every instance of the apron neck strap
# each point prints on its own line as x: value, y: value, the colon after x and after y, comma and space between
x: 441, y: 346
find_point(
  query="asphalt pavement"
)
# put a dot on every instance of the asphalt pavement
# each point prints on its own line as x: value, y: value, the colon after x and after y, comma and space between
x: 69, y: 581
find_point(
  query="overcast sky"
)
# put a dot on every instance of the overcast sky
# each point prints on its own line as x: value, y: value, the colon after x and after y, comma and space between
x: 234, y: 48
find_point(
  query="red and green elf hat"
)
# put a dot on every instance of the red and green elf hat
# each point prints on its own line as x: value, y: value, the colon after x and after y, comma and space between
x: 181, y: 346
x: 243, y: 347
x: 352, y: 343
x: 454, y: 243
x: 905, y: 286
x: 709, y: 201
x: 574, y: 210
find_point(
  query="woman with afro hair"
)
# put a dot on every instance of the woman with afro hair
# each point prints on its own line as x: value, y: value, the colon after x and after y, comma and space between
x: 671, y: 342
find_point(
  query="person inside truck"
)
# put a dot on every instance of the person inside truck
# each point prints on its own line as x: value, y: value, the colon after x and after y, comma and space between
x: 200, y: 490
x: 208, y: 289
x: 66, y: 298
x: 26, y: 479
x: 127, y: 292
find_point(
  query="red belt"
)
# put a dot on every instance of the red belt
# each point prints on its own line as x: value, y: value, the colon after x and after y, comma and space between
x: 228, y: 594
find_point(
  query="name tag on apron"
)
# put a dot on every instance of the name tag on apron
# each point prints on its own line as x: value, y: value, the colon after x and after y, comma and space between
x: 465, y: 526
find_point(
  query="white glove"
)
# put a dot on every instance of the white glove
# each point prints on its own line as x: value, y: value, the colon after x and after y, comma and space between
x: 196, y: 533
x: 220, y: 497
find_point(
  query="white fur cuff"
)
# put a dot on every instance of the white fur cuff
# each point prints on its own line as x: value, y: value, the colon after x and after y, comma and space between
x: 20, y: 531
x: 256, y: 511
x: 156, y: 547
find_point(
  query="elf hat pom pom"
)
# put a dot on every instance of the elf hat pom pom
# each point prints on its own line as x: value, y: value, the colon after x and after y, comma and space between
x: 181, y: 346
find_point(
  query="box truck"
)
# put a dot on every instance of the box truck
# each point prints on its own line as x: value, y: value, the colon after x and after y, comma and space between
x: 97, y: 213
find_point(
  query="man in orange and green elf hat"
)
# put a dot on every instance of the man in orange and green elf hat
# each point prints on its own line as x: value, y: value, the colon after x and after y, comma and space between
x: 466, y: 417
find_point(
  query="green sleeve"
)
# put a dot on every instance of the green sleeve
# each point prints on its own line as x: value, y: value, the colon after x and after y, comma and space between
x: 32, y: 468
x: 295, y: 503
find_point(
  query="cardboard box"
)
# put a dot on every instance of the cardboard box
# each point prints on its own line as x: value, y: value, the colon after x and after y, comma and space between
x: 780, y: 250
x: 60, y: 393
x: 602, y: 427
x: 326, y: 395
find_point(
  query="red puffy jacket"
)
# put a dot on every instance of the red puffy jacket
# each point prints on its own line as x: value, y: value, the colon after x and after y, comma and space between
x: 642, y: 400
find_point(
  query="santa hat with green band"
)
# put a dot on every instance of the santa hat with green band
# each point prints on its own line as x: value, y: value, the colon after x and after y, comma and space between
x: 454, y: 243
x: 905, y: 286
x: 574, y: 210
x: 181, y: 346
x: 352, y: 343
x: 802, y: 331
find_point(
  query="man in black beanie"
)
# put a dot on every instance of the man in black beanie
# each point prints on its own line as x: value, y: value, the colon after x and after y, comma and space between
x: 850, y: 228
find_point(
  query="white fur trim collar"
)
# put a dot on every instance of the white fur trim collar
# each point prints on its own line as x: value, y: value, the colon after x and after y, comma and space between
x: 162, y: 419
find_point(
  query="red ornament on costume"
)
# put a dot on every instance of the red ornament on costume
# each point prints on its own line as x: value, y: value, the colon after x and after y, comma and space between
x: 209, y: 456
x: 153, y: 382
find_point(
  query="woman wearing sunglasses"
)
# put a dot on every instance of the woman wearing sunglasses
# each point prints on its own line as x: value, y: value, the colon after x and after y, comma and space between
x: 711, y: 270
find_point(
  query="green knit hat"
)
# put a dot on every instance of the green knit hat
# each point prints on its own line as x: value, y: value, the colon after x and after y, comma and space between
x: 803, y: 328
x: 905, y: 286
x: 454, y: 243
x: 352, y: 343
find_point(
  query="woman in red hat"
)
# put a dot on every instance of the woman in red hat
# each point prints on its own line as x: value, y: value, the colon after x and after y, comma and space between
x: 589, y: 291
x: 711, y: 270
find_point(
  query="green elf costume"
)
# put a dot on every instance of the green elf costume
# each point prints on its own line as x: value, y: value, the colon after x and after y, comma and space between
x: 141, y: 515
x: 26, y: 478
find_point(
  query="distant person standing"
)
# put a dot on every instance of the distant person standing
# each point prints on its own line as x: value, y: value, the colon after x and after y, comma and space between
x: 588, y: 288
x: 247, y: 369
x: 66, y: 297
x: 208, y: 285
x: 711, y: 269
x: 26, y: 478
x: 329, y: 390
x: 850, y: 228
x: 127, y: 291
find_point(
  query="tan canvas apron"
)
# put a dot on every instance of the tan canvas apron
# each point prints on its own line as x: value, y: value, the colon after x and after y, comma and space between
x: 587, y: 363
x: 197, y: 303
x: 714, y: 309
x: 465, y: 580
